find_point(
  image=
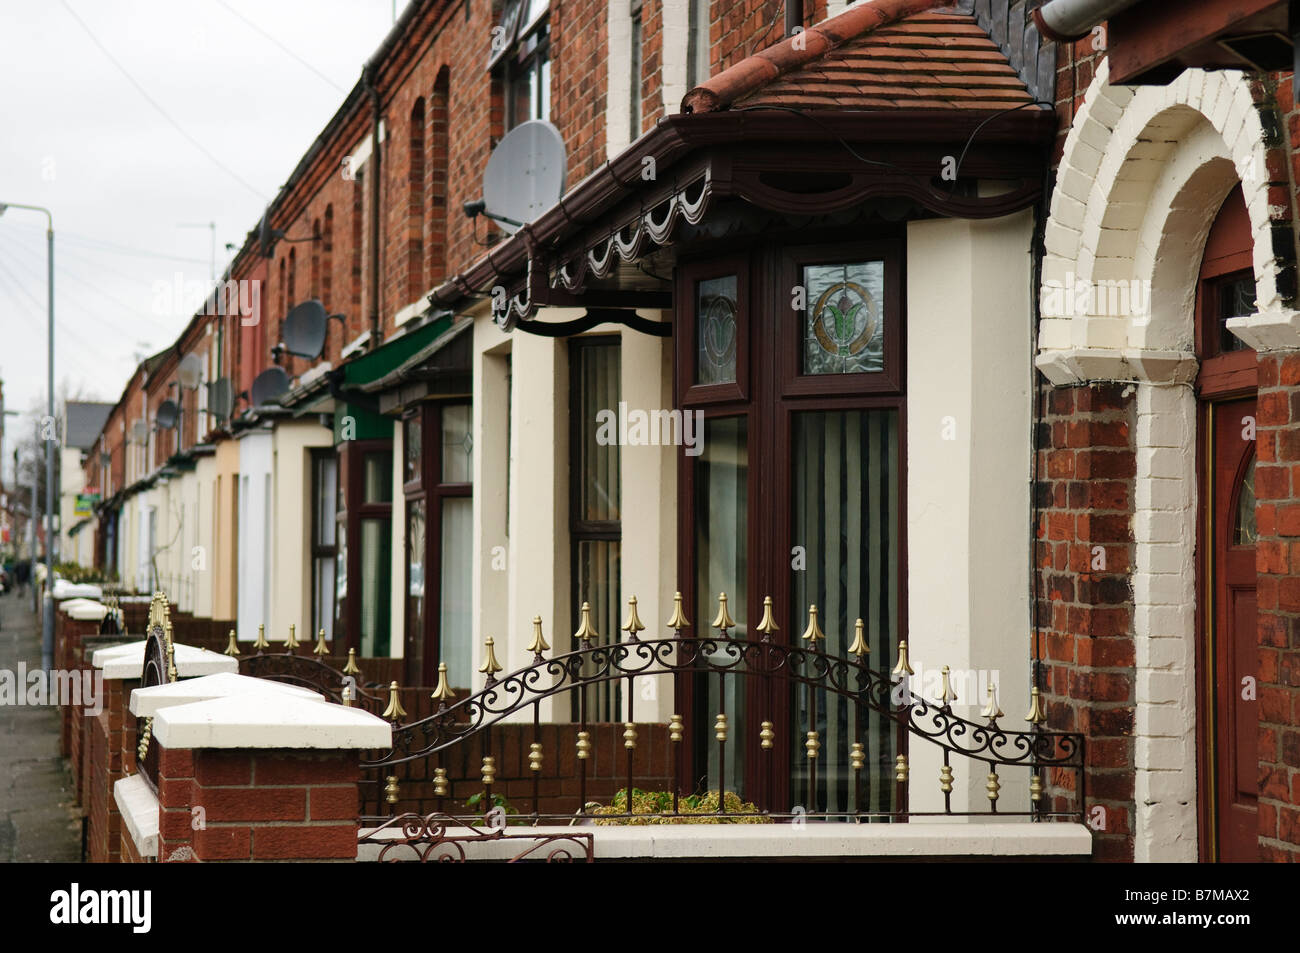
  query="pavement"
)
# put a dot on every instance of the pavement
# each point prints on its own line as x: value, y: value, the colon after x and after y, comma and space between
x: 38, y: 820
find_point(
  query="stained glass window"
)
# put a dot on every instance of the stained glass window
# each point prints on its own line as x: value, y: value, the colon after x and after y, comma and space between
x: 1245, y: 532
x: 843, y: 327
x: 716, y: 333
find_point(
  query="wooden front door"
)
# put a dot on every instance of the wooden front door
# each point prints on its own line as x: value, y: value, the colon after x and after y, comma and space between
x: 1227, y: 713
x: 1231, y: 649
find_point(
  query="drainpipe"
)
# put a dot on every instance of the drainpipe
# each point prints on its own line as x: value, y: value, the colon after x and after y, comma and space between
x: 374, y: 176
x: 1067, y: 20
x: 793, y: 16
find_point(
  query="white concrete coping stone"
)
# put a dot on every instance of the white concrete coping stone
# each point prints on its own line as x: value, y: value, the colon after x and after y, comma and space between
x: 68, y: 604
x: 269, y: 721
x: 127, y: 661
x: 72, y: 590
x: 812, y: 840
x: 85, y: 611
x: 139, y: 808
x: 146, y: 702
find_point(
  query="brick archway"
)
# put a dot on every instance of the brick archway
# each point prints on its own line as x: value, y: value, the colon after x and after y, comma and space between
x: 1142, y: 177
x: 1142, y: 174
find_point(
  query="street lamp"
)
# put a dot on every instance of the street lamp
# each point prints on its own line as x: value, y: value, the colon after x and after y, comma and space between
x: 47, y: 617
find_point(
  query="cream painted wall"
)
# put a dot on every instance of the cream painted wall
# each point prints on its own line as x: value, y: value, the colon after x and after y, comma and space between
x: 223, y: 563
x: 968, y: 387
x: 203, y: 567
x: 649, y: 514
x: 523, y: 569
x: 538, y: 550
x: 491, y: 548
x: 289, y: 573
x: 254, y: 520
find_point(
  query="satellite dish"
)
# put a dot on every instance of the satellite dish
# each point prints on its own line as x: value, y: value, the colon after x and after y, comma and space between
x: 268, y: 385
x: 191, y: 367
x: 139, y: 431
x: 167, y: 414
x: 525, y: 174
x: 304, y: 329
x: 220, y: 399
x: 267, y: 236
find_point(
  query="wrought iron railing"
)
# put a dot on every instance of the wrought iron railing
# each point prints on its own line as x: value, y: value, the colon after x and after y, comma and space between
x: 514, y: 703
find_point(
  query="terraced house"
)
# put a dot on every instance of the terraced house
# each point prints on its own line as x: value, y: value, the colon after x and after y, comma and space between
x: 896, y: 339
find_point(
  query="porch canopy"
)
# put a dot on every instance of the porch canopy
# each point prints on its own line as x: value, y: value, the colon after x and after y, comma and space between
x: 894, y: 109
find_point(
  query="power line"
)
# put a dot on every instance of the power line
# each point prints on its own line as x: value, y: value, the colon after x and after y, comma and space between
x: 62, y: 270
x: 155, y: 104
x: 40, y: 312
x: 98, y: 244
x: 31, y: 271
x: 282, y: 47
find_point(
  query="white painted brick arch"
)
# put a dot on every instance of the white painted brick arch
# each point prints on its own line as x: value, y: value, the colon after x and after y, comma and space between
x: 1143, y: 174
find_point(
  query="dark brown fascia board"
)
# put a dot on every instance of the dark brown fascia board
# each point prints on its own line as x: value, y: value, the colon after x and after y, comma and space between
x: 674, y: 137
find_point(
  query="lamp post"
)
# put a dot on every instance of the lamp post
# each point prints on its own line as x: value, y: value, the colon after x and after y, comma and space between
x: 47, y: 616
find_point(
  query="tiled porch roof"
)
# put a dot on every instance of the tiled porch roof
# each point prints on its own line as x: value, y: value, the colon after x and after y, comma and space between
x: 883, y: 54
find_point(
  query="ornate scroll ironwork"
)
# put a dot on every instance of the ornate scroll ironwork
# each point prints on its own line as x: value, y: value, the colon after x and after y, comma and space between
x: 442, y: 837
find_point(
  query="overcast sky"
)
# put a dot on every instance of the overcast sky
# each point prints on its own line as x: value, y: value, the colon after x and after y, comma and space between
x: 253, y: 82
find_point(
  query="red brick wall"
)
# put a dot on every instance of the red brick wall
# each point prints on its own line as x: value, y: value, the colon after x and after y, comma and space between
x: 263, y: 804
x: 104, y: 767
x: 579, y: 46
x: 1086, y: 469
x: 1277, y: 483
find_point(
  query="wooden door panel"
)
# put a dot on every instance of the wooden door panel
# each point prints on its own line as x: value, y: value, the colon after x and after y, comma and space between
x: 1232, y: 641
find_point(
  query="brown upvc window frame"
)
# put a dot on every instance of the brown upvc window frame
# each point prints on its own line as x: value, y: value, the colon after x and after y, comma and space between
x: 318, y: 549
x: 889, y: 380
x: 689, y: 276
x: 770, y: 389
x: 350, y: 513
x: 430, y: 489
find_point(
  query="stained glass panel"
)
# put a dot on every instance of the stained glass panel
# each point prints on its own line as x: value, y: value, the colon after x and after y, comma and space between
x: 1246, y: 532
x: 843, y: 327
x: 716, y: 332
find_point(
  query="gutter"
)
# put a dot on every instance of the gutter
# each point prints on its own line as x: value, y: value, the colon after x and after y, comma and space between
x: 1068, y: 20
x: 674, y: 137
x: 373, y: 176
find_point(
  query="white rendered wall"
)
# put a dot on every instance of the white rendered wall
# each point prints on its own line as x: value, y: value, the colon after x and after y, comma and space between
x: 255, y: 457
x: 968, y: 469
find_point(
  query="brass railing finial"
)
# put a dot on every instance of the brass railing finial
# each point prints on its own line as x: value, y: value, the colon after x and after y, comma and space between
x: 860, y: 648
x: 442, y: 693
x: 291, y: 642
x: 586, y: 633
x: 723, y: 620
x: 675, y: 728
x: 261, y: 642
x: 767, y: 625
x: 945, y: 696
x: 813, y: 632
x: 904, y: 667
x: 1036, y: 714
x: 232, y: 647
x: 991, y: 711
x: 351, y: 667
x: 490, y: 665
x: 171, y: 662
x: 678, y: 620
x: 321, y: 648
x: 633, y: 624
x: 539, y: 644
x: 394, y: 710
